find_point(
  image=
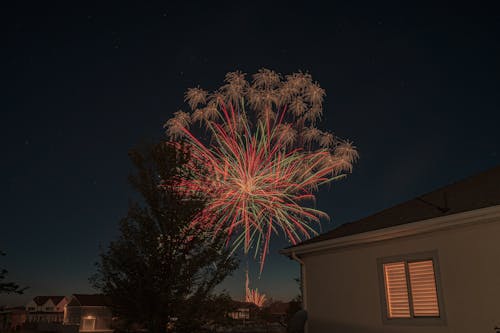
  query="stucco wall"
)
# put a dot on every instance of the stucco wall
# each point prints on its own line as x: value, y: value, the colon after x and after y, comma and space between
x: 34, y: 307
x: 343, y: 287
x: 72, y: 315
x: 60, y: 306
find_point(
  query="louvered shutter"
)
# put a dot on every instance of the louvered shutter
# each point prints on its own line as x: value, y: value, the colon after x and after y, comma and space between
x: 396, y: 290
x: 423, y: 289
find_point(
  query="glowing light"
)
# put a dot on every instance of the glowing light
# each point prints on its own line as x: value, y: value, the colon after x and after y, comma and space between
x: 253, y: 295
x: 263, y: 154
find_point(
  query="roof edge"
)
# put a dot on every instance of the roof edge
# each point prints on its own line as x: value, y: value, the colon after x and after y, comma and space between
x: 403, y: 230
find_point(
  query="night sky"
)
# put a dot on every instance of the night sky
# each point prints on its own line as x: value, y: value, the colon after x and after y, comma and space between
x: 416, y: 89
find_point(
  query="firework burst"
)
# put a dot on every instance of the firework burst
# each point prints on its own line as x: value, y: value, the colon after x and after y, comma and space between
x: 253, y: 295
x: 264, y: 155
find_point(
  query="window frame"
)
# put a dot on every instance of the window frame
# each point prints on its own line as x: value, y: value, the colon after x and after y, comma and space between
x: 412, y: 320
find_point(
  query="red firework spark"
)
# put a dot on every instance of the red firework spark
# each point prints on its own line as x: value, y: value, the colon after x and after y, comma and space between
x: 264, y: 156
x: 253, y: 295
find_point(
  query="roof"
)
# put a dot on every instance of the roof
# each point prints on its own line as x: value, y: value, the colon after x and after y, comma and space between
x: 92, y: 300
x: 57, y: 299
x: 41, y: 300
x: 12, y: 309
x: 238, y: 305
x: 278, y: 307
x: 241, y: 304
x: 478, y: 191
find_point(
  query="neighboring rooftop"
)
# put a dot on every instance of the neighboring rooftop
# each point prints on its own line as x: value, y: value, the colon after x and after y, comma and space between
x: 241, y: 304
x: 41, y: 300
x: 11, y: 309
x: 279, y: 307
x: 91, y: 300
x: 478, y: 191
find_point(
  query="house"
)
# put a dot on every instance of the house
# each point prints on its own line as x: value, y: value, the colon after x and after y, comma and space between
x: 242, y: 310
x: 277, y: 311
x: 430, y: 264
x: 91, y: 313
x: 12, y: 318
x: 46, y: 309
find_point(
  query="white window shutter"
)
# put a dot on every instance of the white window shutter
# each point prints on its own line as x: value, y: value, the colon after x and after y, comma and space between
x: 423, y: 289
x: 396, y: 289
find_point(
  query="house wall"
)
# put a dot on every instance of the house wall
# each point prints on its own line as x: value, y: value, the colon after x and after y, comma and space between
x: 343, y: 287
x: 12, y: 320
x: 60, y: 306
x: 32, y: 306
x: 47, y: 312
x: 75, y: 315
x: 45, y: 317
x: 49, y: 306
x: 72, y: 315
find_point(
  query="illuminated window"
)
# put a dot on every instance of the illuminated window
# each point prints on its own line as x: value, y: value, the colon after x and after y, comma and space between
x: 410, y: 289
x: 396, y: 290
x: 88, y: 323
x: 423, y: 289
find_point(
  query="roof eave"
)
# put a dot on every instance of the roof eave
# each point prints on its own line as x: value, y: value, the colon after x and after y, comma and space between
x: 434, y: 224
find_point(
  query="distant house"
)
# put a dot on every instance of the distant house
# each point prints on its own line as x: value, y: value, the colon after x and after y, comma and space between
x: 46, y: 309
x: 12, y: 318
x: 91, y: 313
x: 431, y: 264
x: 241, y: 310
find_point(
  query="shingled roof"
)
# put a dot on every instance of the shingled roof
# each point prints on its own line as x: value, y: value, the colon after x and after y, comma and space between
x: 92, y: 300
x: 478, y: 191
x: 41, y: 300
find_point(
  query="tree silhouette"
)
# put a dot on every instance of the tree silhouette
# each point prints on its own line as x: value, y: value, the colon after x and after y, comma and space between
x: 8, y: 287
x: 160, y: 270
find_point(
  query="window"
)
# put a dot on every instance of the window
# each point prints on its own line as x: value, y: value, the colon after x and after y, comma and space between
x: 242, y: 313
x: 423, y: 288
x: 410, y: 289
x: 88, y: 323
x: 396, y: 290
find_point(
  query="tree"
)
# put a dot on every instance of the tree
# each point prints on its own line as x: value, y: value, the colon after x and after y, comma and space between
x: 216, y: 309
x: 295, y: 304
x: 8, y: 287
x: 160, y: 269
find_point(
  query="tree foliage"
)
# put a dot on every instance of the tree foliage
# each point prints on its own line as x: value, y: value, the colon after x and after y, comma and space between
x: 8, y: 287
x: 159, y: 269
